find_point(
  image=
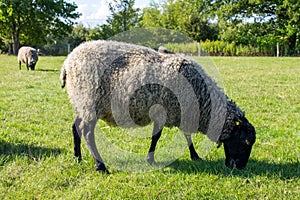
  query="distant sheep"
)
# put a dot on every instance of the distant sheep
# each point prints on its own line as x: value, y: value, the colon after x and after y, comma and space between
x: 162, y: 49
x: 29, y: 56
x: 128, y: 85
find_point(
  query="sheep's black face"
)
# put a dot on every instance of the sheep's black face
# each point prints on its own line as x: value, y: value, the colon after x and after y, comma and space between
x: 32, y: 65
x: 239, y: 144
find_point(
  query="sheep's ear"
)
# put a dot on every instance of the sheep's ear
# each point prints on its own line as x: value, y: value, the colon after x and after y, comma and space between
x: 239, y: 113
x: 224, y: 136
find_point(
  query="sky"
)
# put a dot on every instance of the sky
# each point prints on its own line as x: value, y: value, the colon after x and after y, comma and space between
x: 95, y: 12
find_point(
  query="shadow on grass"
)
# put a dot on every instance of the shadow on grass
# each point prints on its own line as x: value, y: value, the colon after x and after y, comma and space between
x: 9, y: 151
x: 254, y: 168
x: 48, y: 70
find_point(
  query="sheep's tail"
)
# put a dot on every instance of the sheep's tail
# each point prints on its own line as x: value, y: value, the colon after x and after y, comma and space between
x: 63, y: 77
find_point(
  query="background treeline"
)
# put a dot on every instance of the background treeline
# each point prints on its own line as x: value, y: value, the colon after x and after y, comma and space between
x: 222, y: 27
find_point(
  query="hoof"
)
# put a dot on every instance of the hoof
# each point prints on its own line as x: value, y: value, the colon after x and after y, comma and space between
x: 105, y: 171
x: 196, y: 158
x: 101, y: 168
x: 150, y: 158
x: 78, y: 158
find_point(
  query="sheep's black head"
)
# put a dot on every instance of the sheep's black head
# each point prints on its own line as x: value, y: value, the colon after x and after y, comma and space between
x: 238, y: 137
x: 33, y: 60
x: 238, y: 143
x: 32, y: 65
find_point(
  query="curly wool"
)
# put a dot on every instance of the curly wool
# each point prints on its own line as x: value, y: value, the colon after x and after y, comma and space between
x: 120, y: 83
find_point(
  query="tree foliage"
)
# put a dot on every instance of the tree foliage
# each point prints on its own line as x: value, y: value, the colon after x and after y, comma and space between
x: 187, y: 16
x: 31, y: 21
x: 275, y: 20
x: 259, y: 24
x: 123, y: 17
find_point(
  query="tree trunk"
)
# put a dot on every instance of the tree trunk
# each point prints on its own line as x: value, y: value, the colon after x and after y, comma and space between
x: 16, y: 43
x: 10, y: 49
x: 292, y: 44
x: 15, y: 39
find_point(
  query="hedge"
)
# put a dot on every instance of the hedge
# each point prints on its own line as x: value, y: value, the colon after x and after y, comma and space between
x: 221, y: 48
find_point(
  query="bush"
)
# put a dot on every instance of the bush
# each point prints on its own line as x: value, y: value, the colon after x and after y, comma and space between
x: 222, y: 48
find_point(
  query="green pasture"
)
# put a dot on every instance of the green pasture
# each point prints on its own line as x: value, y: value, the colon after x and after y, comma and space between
x: 36, y: 145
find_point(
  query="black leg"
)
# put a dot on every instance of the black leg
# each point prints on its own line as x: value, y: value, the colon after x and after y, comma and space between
x: 77, y: 141
x: 154, y: 140
x: 155, y: 137
x: 193, y: 153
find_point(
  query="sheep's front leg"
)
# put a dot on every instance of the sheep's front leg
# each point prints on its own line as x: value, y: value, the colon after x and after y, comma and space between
x: 155, y: 137
x: 193, y: 153
x: 88, y: 133
x: 27, y: 65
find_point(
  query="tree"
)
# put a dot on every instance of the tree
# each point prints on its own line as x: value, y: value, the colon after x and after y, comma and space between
x: 123, y: 15
x: 151, y: 16
x: 170, y: 14
x: 190, y: 17
x: 288, y: 20
x: 78, y: 35
x: 30, y: 21
x: 282, y: 18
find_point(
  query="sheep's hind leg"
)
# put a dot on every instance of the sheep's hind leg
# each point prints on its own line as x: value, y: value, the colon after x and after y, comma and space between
x: 155, y: 137
x: 77, y: 138
x: 193, y: 153
x: 88, y: 133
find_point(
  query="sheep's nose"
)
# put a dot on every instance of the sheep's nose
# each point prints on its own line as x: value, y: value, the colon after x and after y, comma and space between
x: 236, y: 164
x: 232, y: 163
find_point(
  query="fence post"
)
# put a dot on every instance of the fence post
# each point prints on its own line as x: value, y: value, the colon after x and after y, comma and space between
x: 199, y: 49
x: 69, y: 48
x: 277, y: 48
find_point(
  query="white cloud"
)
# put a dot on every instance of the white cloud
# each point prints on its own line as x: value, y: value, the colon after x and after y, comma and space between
x: 95, y: 12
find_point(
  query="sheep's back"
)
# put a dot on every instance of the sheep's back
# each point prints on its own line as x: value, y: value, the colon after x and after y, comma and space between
x: 85, y: 70
x: 119, y: 83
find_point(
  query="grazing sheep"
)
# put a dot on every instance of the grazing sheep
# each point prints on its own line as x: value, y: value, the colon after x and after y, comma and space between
x: 29, y: 56
x: 128, y: 85
x: 162, y: 49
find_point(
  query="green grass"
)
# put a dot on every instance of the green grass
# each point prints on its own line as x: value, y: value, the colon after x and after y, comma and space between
x: 36, y: 147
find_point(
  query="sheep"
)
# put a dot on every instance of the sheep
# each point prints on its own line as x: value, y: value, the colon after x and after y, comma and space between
x: 163, y: 49
x: 29, y: 56
x: 128, y: 85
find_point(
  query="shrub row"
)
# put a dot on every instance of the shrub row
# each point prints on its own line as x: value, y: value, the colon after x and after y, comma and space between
x: 221, y: 48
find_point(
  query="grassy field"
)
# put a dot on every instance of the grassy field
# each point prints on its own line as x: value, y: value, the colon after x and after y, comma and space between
x: 36, y: 147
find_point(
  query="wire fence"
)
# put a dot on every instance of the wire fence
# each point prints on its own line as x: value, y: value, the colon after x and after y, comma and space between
x: 208, y: 48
